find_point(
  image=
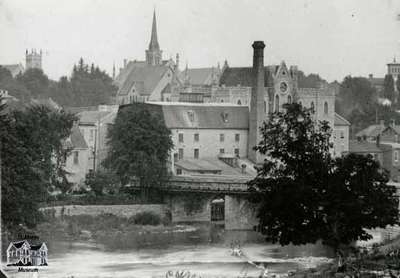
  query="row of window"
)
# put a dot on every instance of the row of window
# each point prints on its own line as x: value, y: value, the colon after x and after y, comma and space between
x: 196, y: 153
x: 196, y: 137
x: 289, y: 100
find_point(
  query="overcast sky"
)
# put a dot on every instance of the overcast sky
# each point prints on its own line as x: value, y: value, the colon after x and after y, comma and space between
x: 328, y: 37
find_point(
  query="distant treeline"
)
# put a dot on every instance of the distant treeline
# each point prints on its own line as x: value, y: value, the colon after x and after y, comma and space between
x: 87, y: 86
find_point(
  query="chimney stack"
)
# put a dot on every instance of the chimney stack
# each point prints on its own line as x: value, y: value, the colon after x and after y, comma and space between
x: 378, y: 140
x: 257, y: 114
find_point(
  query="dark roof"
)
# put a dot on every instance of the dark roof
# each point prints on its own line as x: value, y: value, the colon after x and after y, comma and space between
x: 376, y: 81
x: 179, y: 115
x: 18, y: 244
x: 211, y: 164
x: 363, y: 147
x: 145, y: 78
x: 37, y: 246
x: 340, y: 121
x: 77, y: 140
x: 243, y: 77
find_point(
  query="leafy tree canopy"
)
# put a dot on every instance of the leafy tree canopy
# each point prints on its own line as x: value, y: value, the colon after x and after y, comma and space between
x: 388, y: 88
x: 32, y: 153
x: 139, y: 145
x: 305, y: 195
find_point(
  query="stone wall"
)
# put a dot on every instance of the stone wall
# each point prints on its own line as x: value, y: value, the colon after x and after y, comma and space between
x: 118, y: 210
x: 240, y: 214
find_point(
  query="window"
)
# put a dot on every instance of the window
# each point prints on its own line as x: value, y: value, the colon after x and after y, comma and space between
x: 76, y: 157
x: 91, y: 135
x: 236, y: 152
x: 239, y: 102
x: 191, y: 116
x: 196, y: 153
x: 289, y: 99
x: 179, y: 171
x: 237, y: 137
x: 180, y: 137
x: 265, y: 106
x: 325, y: 108
x: 221, y: 151
x: 175, y: 157
x: 312, y: 106
x: 180, y: 154
x: 196, y: 137
x: 396, y: 156
x: 224, y: 116
x: 276, y: 103
x: 221, y: 137
x: 341, y: 134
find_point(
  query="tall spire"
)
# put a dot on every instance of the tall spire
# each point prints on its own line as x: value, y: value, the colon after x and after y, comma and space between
x: 154, y: 54
x: 154, y: 40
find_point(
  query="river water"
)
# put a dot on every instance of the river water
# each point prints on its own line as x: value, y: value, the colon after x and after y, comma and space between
x: 201, y: 256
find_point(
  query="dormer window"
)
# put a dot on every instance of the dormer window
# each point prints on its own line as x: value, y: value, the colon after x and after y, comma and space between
x: 224, y: 116
x: 191, y: 116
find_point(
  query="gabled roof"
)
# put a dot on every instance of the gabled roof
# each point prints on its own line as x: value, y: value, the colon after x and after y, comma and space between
x: 199, y: 76
x: 77, y: 140
x: 144, y: 78
x: 372, y: 131
x: 38, y: 246
x: 363, y: 147
x: 181, y: 115
x: 18, y: 244
x: 340, y: 121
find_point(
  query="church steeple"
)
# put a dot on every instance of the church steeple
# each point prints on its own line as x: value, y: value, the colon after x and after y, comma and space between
x: 154, y: 54
x: 154, y: 40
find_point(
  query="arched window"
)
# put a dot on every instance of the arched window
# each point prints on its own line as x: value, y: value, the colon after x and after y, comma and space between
x: 239, y: 102
x: 312, y: 106
x: 289, y: 99
x: 222, y: 100
x: 325, y: 108
x: 265, y: 106
x: 276, y: 103
x: 300, y: 103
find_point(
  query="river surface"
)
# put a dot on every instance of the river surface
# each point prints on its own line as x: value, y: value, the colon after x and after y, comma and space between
x: 202, y: 257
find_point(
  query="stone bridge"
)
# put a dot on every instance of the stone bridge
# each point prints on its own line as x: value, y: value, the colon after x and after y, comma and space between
x: 218, y: 200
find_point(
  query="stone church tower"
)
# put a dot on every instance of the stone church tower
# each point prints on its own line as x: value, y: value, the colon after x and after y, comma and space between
x: 154, y: 54
x: 33, y: 60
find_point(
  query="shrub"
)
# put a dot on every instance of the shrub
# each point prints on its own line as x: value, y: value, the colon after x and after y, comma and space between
x: 146, y: 218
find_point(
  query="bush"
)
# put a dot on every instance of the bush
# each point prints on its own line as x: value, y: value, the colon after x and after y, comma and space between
x: 146, y: 218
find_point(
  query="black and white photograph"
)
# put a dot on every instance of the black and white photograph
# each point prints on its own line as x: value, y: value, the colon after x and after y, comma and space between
x: 200, y: 139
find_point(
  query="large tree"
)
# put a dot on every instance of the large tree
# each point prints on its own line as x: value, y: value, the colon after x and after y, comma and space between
x: 35, y: 81
x: 305, y: 195
x: 388, y: 88
x: 139, y: 145
x: 32, y: 155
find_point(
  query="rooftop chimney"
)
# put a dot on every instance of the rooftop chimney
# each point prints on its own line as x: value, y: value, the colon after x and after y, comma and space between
x: 257, y: 114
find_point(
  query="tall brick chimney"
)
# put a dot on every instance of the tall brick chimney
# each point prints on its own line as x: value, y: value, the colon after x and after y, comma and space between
x: 257, y: 114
